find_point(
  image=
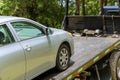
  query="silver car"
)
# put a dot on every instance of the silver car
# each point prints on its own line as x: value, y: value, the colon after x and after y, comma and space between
x: 27, y: 48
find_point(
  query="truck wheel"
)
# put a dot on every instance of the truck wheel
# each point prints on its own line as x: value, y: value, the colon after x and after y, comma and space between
x: 115, y: 65
x: 63, y: 58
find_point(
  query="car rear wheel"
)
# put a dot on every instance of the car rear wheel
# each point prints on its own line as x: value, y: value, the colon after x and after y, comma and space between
x: 63, y: 58
x: 118, y: 68
x: 115, y: 65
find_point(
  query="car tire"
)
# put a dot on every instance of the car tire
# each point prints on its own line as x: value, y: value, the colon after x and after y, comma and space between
x: 115, y: 65
x: 63, y: 58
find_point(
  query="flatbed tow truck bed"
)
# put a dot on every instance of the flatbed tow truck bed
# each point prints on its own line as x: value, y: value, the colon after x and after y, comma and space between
x: 88, y: 50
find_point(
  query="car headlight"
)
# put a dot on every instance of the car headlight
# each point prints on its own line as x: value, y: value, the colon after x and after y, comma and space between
x: 69, y: 34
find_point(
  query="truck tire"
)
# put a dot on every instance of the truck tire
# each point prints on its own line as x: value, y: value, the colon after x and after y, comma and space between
x: 115, y: 65
x: 63, y: 58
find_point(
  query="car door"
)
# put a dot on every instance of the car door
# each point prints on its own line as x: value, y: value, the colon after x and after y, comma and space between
x: 12, y: 57
x: 36, y: 45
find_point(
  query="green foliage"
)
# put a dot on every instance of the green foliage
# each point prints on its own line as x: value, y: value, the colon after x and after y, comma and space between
x: 111, y: 2
x: 92, y: 7
x: 47, y: 12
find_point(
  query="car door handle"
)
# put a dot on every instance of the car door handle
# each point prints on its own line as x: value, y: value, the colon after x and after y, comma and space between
x: 28, y: 48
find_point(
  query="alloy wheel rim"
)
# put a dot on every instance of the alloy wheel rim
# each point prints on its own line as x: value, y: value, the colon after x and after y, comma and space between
x: 64, y: 57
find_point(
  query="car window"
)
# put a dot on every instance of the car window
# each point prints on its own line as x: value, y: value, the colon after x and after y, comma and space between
x: 5, y: 35
x: 26, y: 30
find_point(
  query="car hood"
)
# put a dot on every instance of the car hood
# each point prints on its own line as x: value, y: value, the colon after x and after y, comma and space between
x: 57, y: 30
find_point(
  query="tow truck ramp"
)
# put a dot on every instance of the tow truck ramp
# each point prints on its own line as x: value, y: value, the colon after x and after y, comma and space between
x: 88, y: 50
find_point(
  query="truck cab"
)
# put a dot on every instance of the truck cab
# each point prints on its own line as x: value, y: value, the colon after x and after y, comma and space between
x: 111, y: 10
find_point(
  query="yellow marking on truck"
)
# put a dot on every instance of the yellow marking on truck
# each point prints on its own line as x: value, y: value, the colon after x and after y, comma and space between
x: 112, y: 47
x: 107, y: 51
x: 96, y: 58
x: 80, y: 70
x: 118, y: 43
x: 102, y: 54
x: 69, y: 77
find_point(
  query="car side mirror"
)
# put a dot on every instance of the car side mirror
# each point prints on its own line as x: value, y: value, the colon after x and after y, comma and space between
x: 48, y: 31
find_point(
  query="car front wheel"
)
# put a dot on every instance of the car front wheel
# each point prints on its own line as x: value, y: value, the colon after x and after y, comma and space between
x: 63, y: 58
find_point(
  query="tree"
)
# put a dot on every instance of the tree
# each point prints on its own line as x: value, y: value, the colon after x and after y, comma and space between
x: 48, y: 12
x: 77, y: 11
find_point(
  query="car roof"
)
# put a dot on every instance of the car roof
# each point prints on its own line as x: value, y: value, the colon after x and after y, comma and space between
x: 9, y: 18
x: 4, y: 19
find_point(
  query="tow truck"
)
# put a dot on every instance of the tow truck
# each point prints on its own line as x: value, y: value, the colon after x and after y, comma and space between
x: 97, y: 43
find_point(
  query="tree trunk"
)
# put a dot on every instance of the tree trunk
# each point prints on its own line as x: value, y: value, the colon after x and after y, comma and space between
x: 77, y: 11
x: 105, y: 2
x: 101, y: 6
